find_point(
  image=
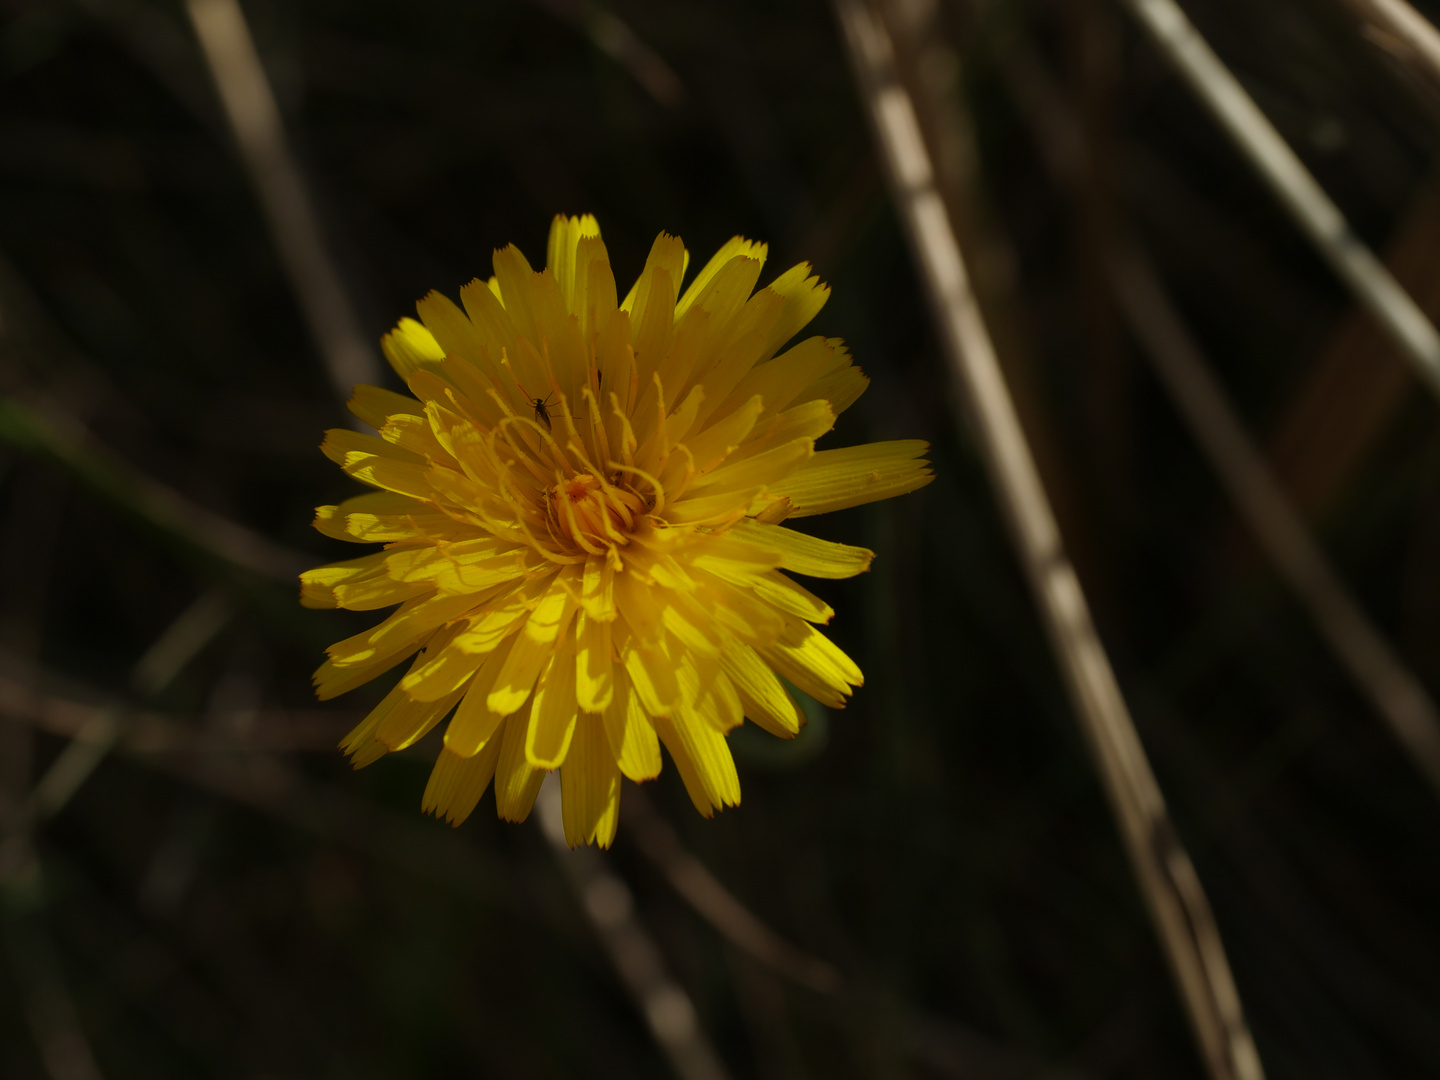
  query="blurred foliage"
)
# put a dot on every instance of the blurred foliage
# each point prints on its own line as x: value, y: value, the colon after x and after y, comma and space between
x: 943, y: 840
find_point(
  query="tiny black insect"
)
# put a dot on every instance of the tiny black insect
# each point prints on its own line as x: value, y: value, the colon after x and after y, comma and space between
x: 542, y: 409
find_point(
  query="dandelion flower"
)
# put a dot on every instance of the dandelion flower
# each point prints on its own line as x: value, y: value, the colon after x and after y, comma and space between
x: 581, y: 509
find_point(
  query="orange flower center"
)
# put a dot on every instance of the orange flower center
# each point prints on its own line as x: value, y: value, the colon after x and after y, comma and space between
x: 590, y: 514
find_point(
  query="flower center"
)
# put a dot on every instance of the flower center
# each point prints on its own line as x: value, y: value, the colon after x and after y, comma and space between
x: 591, y: 514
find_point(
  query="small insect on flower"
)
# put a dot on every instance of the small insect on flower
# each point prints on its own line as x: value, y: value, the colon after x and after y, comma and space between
x: 542, y: 410
x: 575, y: 601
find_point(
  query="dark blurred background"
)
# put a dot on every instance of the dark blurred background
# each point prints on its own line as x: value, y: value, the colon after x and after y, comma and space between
x: 197, y: 885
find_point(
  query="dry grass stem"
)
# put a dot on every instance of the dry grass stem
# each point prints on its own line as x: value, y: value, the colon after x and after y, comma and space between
x: 1397, y: 695
x: 54, y: 1019
x: 614, y: 37
x: 704, y: 892
x: 1396, y: 23
x: 1166, y: 876
x: 1394, y: 691
x: 609, y: 906
x: 1312, y: 210
x: 288, y: 207
x: 64, y: 440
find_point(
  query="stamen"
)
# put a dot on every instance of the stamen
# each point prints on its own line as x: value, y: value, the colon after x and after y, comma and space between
x: 655, y: 484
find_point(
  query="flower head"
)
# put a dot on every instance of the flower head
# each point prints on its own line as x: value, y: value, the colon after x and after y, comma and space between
x: 581, y: 509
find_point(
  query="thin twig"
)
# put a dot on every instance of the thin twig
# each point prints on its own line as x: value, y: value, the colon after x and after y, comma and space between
x: 1396, y: 694
x: 161, y: 44
x: 1398, y: 21
x: 153, y: 734
x: 1394, y: 691
x: 610, y: 907
x: 703, y: 891
x: 1312, y: 210
x: 614, y: 37
x: 1167, y: 879
x: 49, y: 1007
x: 186, y: 636
x: 51, y: 1010
x: 280, y: 184
x: 64, y: 440
x: 245, y: 767
x: 932, y: 1041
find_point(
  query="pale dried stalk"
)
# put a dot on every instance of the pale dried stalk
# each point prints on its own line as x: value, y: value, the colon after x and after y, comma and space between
x: 92, y: 742
x: 1399, y: 21
x: 614, y: 37
x: 289, y: 210
x: 1167, y: 879
x: 54, y: 1020
x: 44, y: 428
x: 1396, y: 694
x: 1312, y: 210
x: 610, y: 907
x: 718, y: 906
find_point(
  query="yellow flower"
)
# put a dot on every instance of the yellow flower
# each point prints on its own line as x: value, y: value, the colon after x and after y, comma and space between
x: 581, y: 512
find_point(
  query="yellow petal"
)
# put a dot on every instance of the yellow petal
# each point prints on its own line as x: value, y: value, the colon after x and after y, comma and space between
x: 552, y: 716
x: 410, y: 347
x: 804, y: 296
x: 409, y: 720
x: 456, y: 783
x: 737, y: 247
x: 375, y: 405
x: 594, y: 299
x: 631, y: 733
x: 502, y: 617
x: 709, y: 693
x: 565, y: 236
x: 790, y: 596
x: 376, y: 462
x: 739, y: 611
x: 317, y: 586
x: 652, y: 674
x: 443, y: 671
x: 841, y: 383
x: 815, y: 664
x: 332, y: 680
x: 781, y: 380
x: 807, y: 421
x: 730, y: 555
x: 597, y: 589
x: 513, y: 273
x: 414, y: 621
x: 532, y: 650
x: 837, y: 479
x: 652, y: 304
x: 589, y: 786
x: 721, y: 298
x: 703, y: 760
x: 774, y: 468
x: 594, y: 668
x: 714, y: 508
x: 668, y: 254
x: 360, y: 745
x: 413, y: 432
x: 453, y: 331
x: 763, y: 696
x: 808, y: 555
x: 720, y: 440
x: 517, y: 782
x: 473, y: 724
x: 493, y: 328
x: 688, y: 626
x: 728, y: 357
x: 383, y: 516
